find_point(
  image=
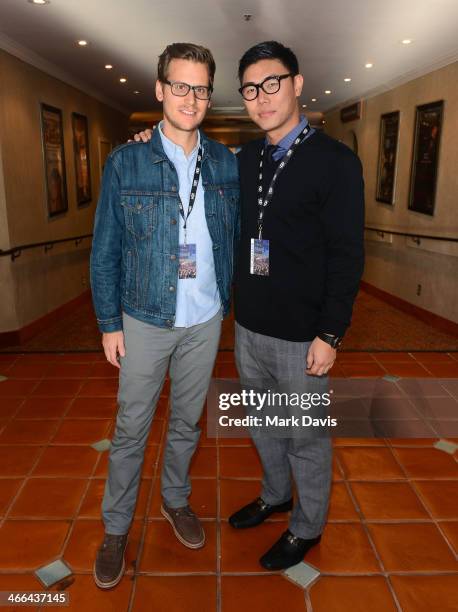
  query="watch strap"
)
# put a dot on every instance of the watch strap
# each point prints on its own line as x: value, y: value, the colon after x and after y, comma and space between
x: 334, y: 341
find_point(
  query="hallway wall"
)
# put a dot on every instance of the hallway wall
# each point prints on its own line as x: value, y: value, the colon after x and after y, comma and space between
x: 37, y: 282
x: 400, y: 266
x: 8, y: 317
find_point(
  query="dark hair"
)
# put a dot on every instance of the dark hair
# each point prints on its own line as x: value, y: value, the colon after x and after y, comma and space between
x: 270, y: 49
x: 187, y: 51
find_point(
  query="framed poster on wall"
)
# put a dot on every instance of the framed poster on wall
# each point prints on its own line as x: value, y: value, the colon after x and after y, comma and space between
x: 351, y: 113
x: 82, y: 160
x: 388, y: 149
x: 52, y: 137
x: 423, y: 177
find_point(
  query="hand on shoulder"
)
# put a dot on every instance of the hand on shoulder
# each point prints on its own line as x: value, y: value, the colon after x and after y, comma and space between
x: 144, y: 136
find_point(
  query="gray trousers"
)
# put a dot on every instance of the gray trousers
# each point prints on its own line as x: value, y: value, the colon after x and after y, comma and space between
x: 267, y: 361
x: 189, y: 353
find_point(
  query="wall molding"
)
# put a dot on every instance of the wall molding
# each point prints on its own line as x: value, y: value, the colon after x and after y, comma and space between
x: 21, y: 336
x: 24, y: 334
x: 440, y: 323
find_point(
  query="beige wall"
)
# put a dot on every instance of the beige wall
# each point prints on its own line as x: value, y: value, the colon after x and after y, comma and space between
x: 36, y: 283
x: 4, y: 233
x: 400, y: 266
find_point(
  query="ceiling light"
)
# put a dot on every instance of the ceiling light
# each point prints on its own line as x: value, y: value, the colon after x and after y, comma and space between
x: 123, y: 80
x: 39, y: 2
x: 108, y: 66
x: 136, y: 92
x: 369, y: 65
x: 406, y: 41
x: 327, y: 92
x: 313, y: 99
x: 347, y: 79
x: 82, y: 43
x: 304, y: 106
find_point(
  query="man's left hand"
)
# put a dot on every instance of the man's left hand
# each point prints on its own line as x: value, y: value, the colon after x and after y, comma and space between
x: 320, y: 358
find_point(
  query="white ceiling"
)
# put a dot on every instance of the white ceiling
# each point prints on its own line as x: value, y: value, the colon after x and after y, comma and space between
x: 333, y: 39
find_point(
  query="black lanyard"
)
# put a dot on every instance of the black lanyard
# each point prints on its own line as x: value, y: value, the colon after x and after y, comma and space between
x: 192, y: 195
x: 264, y: 202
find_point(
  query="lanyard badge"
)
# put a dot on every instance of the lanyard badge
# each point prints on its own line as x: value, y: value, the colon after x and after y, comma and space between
x: 259, y: 253
x: 259, y: 257
x: 187, y: 267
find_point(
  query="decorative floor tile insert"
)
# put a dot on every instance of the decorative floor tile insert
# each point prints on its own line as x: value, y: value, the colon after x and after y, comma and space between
x: 391, y: 378
x: 303, y: 574
x: 446, y: 446
x: 52, y: 573
x: 102, y: 445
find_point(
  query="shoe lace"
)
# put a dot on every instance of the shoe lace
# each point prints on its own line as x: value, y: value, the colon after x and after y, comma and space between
x: 185, y: 511
x: 111, y: 543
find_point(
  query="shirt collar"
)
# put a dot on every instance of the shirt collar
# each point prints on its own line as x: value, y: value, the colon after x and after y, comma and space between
x: 288, y: 140
x: 174, y: 151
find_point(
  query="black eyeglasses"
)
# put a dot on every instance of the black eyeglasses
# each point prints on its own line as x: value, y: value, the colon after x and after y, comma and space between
x: 201, y: 92
x: 269, y: 85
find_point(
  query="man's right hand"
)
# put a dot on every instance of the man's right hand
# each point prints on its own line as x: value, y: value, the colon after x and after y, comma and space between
x: 143, y: 136
x: 113, y: 344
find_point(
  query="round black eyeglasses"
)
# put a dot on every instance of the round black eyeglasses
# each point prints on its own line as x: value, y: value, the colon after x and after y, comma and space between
x: 270, y: 85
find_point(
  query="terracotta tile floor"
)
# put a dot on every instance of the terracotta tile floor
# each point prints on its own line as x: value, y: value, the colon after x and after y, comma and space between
x: 390, y: 544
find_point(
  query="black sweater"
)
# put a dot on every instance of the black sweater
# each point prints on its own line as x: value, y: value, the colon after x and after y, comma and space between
x: 315, y: 225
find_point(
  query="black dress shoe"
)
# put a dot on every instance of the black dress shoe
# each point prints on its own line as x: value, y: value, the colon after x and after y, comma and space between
x: 255, y: 513
x: 287, y: 551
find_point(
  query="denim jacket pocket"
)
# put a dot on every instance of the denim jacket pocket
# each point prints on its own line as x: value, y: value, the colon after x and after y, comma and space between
x: 140, y: 214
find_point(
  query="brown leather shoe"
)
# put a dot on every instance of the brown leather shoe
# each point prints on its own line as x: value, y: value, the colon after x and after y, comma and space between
x: 186, y: 525
x: 109, y: 564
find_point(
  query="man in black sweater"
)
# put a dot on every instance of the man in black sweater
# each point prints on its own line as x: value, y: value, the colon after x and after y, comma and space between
x: 300, y: 262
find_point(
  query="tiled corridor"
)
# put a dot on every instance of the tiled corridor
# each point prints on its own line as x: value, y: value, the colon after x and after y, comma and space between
x: 391, y: 542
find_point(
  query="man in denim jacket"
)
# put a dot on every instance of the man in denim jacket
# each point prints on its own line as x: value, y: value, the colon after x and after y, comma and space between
x: 161, y: 269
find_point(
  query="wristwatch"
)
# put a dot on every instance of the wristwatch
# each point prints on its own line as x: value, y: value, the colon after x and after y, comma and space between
x: 334, y: 341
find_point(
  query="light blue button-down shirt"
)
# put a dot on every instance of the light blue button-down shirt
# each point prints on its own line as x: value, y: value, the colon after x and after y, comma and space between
x: 197, y: 298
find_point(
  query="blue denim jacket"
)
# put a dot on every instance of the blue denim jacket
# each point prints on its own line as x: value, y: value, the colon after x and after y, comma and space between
x: 134, y: 258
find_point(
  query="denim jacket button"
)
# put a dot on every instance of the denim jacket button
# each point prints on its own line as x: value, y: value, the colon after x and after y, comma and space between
x: 171, y: 288
x: 173, y: 221
x: 172, y: 257
x: 174, y: 188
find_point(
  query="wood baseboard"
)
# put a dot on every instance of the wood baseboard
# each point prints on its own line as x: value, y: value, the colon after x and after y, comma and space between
x: 20, y: 336
x: 440, y: 323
